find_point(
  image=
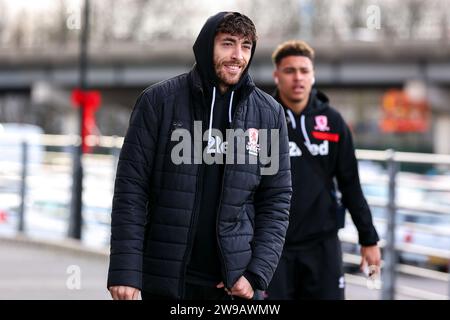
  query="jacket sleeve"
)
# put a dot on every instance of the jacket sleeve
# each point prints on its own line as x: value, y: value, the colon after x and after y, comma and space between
x: 130, y: 198
x: 272, y: 202
x: 352, y: 196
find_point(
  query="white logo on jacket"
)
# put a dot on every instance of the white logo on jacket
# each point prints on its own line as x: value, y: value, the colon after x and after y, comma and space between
x: 294, y: 150
x: 215, y: 145
x: 315, y: 149
x: 318, y: 149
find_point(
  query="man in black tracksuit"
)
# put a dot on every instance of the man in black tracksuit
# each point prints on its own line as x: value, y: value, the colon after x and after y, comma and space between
x: 184, y: 227
x: 321, y: 150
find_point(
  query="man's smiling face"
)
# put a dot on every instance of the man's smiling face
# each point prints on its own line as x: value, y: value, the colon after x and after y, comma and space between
x: 231, y: 56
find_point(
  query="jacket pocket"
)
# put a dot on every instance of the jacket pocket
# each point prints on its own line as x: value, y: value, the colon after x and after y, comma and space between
x: 250, y: 211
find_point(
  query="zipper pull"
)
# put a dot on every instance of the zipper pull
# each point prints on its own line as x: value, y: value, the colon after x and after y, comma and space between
x: 231, y: 296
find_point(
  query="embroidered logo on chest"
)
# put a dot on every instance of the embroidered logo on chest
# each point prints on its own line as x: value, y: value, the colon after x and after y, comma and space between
x: 321, y: 123
x: 252, y: 144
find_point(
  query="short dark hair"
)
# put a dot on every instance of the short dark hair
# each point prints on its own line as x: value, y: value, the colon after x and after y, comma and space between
x: 292, y: 48
x: 236, y: 23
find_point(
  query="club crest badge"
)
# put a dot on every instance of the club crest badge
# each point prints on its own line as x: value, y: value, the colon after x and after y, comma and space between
x: 252, y: 144
x: 321, y: 123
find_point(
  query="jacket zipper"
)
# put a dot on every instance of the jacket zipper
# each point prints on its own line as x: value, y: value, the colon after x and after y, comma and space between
x: 193, y: 222
x: 225, y: 280
x: 222, y: 259
x: 194, y: 217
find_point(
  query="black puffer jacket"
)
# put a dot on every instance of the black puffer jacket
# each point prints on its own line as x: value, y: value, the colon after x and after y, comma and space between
x: 155, y: 202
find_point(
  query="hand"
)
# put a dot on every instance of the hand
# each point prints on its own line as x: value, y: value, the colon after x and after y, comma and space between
x: 370, y: 256
x: 242, y: 288
x: 124, y: 293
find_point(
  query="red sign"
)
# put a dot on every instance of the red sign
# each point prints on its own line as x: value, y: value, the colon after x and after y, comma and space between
x: 401, y: 114
x: 90, y: 100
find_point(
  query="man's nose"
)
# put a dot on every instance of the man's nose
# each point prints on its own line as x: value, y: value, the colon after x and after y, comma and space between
x: 298, y: 75
x: 237, y: 53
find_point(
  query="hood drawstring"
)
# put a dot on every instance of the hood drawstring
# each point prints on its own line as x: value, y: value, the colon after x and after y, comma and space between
x: 230, y: 107
x: 210, y: 139
x: 305, y: 134
x: 302, y: 124
x: 292, y: 118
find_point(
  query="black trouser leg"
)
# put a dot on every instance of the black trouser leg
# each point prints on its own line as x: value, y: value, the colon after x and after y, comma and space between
x: 311, y: 271
x: 284, y: 282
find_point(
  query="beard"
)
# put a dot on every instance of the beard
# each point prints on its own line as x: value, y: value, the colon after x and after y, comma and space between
x: 225, y: 77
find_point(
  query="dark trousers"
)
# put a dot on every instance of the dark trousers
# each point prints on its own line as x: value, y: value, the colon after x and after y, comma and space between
x: 310, y: 271
x: 199, y: 292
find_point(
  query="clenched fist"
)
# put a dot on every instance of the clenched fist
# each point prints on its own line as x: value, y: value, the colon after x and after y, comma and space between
x: 124, y: 293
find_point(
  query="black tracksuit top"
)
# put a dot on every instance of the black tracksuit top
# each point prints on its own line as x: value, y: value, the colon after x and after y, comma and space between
x: 313, y: 208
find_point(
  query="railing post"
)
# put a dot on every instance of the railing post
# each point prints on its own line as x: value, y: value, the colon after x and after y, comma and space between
x: 23, y: 187
x: 390, y: 254
x: 75, y: 227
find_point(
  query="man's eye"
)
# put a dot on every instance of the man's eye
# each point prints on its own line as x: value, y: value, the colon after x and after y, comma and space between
x: 227, y: 43
x: 247, y: 46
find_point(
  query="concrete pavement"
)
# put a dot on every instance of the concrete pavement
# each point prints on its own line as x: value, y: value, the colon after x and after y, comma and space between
x: 34, y: 270
x: 31, y: 269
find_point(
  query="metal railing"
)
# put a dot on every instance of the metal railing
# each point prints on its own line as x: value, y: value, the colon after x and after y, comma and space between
x: 390, y: 246
x: 19, y: 175
x: 61, y: 162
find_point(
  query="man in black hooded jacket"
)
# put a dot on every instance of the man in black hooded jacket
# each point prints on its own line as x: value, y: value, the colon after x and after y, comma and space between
x: 193, y: 229
x: 321, y: 150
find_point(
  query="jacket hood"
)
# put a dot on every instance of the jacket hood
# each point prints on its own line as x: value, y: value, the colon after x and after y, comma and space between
x: 318, y: 101
x: 204, y: 53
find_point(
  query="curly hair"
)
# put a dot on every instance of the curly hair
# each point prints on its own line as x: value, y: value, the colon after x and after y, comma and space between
x: 292, y: 48
x: 236, y: 23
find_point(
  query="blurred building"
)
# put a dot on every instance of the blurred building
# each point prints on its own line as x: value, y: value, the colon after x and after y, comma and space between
x: 365, y: 49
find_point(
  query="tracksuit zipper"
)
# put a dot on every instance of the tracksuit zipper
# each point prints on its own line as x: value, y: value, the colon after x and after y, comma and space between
x: 193, y: 222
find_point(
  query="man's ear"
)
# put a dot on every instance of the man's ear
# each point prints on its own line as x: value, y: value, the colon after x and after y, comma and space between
x: 275, y: 77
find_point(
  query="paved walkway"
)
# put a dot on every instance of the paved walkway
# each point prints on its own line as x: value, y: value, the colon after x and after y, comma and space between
x: 36, y: 271
x: 40, y: 270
